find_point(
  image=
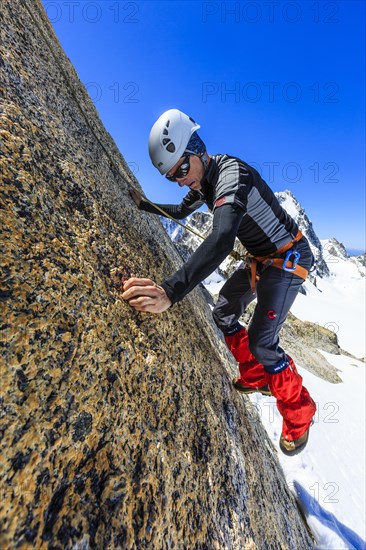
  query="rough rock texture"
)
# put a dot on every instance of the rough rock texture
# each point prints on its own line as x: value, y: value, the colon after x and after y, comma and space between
x: 119, y: 430
x: 303, y: 339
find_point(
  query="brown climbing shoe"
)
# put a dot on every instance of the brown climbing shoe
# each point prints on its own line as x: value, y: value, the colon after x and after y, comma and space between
x: 291, y: 448
x: 264, y: 390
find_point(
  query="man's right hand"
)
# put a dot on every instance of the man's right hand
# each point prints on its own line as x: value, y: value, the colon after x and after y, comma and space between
x: 145, y: 295
x: 136, y: 196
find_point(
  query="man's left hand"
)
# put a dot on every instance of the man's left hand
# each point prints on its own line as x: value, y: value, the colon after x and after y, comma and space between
x: 145, y: 295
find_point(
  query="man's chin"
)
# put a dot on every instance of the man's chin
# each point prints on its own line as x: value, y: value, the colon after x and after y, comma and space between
x: 195, y: 186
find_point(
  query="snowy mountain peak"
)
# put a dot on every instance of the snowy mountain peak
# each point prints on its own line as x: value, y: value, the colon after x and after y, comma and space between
x: 289, y: 202
x: 297, y: 212
x: 334, y: 252
x: 335, y: 248
x: 174, y: 230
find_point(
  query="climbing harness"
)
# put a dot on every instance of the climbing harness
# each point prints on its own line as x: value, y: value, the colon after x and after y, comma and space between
x: 276, y: 260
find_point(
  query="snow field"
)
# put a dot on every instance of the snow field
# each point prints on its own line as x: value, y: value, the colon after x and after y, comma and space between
x: 328, y: 477
x: 338, y: 303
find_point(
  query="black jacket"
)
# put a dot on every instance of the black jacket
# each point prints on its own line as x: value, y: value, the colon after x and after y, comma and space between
x: 244, y: 206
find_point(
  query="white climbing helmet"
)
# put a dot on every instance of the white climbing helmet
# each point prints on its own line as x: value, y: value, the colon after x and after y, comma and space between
x: 169, y: 137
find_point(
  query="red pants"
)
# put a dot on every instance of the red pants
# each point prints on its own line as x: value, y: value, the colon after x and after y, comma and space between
x: 293, y: 400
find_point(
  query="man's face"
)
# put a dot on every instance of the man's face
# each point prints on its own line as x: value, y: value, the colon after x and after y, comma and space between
x: 195, y: 174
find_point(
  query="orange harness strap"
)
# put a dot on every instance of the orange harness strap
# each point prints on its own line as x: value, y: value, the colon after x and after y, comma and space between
x: 281, y: 250
x: 276, y: 262
x: 253, y: 273
x: 300, y: 271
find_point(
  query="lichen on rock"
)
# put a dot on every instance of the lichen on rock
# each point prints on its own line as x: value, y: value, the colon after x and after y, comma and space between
x: 119, y: 430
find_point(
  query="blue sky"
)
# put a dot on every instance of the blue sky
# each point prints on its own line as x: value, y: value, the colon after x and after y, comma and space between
x: 279, y: 84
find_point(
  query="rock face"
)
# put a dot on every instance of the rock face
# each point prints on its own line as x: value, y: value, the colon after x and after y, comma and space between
x: 302, y: 340
x: 119, y: 430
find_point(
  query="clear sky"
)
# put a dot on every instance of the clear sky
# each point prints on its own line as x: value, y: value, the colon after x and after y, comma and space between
x: 281, y: 84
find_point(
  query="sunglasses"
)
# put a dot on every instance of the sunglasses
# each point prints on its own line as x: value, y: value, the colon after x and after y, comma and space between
x: 181, y: 171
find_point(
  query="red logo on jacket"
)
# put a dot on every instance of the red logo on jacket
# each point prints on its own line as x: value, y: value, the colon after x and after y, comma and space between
x: 220, y: 202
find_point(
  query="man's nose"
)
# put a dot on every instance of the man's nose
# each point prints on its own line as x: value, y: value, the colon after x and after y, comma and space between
x: 181, y: 182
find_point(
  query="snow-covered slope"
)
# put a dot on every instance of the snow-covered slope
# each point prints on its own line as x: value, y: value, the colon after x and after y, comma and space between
x: 338, y: 301
x: 329, y: 475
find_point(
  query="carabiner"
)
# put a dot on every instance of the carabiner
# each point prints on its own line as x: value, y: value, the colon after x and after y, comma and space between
x: 296, y: 256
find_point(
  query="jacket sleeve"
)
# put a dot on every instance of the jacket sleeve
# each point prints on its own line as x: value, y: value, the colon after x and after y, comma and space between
x: 191, y: 202
x: 208, y: 255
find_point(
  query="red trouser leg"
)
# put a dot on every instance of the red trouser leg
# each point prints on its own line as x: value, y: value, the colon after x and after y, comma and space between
x: 252, y: 373
x: 293, y: 401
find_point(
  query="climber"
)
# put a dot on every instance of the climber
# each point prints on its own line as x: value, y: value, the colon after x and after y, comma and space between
x: 245, y: 207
